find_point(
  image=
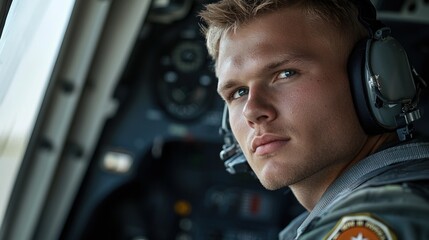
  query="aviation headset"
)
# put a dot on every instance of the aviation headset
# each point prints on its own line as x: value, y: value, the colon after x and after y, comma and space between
x: 385, y: 88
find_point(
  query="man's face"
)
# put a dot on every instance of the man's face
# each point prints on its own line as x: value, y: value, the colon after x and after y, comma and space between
x: 285, y: 81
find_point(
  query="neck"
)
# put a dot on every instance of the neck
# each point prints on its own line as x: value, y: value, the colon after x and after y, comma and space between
x: 309, y: 191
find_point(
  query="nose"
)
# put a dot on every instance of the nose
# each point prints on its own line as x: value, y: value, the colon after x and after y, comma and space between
x: 259, y: 108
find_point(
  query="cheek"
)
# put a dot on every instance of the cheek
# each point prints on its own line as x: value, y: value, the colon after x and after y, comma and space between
x: 238, y: 125
x: 322, y: 104
x: 339, y: 98
x: 303, y: 102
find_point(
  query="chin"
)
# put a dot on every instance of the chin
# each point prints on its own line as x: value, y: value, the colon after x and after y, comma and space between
x: 270, y: 185
x: 273, y: 174
x: 270, y: 181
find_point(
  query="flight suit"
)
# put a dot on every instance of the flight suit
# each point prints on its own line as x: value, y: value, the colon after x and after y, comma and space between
x: 384, y: 196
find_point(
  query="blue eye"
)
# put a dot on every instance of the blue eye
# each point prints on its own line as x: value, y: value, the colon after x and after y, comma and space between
x: 240, y: 92
x: 286, y: 73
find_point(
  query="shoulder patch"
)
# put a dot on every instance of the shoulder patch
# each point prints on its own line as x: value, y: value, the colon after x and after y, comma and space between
x: 361, y: 226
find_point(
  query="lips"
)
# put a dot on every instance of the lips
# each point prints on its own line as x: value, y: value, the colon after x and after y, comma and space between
x: 266, y: 144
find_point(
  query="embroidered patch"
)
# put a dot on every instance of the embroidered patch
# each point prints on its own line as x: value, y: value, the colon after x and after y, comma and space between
x: 360, y: 227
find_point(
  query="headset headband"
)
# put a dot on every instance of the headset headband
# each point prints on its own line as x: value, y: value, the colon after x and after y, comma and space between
x: 368, y: 16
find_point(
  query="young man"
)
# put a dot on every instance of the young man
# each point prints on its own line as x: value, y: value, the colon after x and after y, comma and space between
x: 284, y: 73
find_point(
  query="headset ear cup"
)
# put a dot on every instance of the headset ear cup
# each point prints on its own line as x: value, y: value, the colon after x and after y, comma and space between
x: 357, y: 77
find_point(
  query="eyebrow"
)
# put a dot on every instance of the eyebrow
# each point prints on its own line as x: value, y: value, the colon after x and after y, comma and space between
x: 230, y: 83
x: 222, y: 88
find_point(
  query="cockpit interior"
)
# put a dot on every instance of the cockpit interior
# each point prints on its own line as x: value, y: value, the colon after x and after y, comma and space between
x: 148, y: 166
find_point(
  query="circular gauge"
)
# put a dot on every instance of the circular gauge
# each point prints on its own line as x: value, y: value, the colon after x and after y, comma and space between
x: 186, y: 97
x: 188, y: 56
x: 186, y: 88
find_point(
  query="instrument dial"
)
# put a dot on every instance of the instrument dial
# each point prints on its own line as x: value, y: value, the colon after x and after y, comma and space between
x: 186, y: 87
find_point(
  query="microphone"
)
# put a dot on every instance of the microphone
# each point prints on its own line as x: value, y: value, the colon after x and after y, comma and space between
x: 231, y: 154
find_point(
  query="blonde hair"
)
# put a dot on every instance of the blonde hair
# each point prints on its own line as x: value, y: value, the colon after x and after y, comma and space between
x: 228, y: 15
